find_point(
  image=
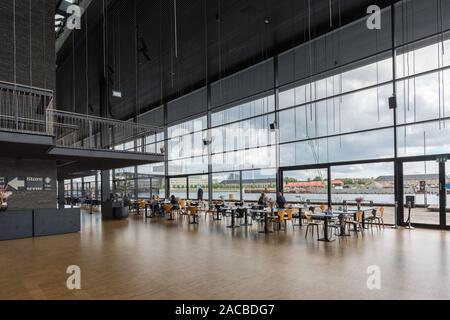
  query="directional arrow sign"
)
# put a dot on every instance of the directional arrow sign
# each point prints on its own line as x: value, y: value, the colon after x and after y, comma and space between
x: 16, y: 183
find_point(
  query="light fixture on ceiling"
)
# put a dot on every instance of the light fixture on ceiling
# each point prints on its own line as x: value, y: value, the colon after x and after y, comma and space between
x: 117, y: 94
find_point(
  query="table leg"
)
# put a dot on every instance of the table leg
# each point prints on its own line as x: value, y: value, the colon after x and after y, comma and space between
x: 217, y: 217
x: 299, y: 218
x: 325, y: 232
x: 266, y: 226
x: 246, y: 219
x: 233, y: 225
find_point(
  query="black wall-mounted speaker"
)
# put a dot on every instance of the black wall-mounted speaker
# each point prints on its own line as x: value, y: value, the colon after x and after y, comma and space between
x: 273, y: 126
x: 393, y: 102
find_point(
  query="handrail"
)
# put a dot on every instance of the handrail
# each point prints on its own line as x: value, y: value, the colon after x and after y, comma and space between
x: 27, y: 111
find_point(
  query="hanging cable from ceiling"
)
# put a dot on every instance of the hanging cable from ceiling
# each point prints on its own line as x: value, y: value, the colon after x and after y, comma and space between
x: 441, y: 17
x: 73, y: 74
x: 88, y: 107
x: 172, y: 72
x: 377, y: 74
x: 15, y: 61
x: 340, y: 72
x: 441, y: 78
x: 330, y: 5
x: 30, y: 57
x: 175, y: 27
x: 406, y: 70
x: 413, y: 35
x: 310, y: 63
x: 161, y: 69
x: 219, y: 21
x: 333, y: 76
x: 205, y: 23
x: 139, y: 47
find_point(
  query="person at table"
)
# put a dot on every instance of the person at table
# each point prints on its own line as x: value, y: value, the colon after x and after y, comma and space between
x: 281, y: 200
x: 154, y: 204
x: 200, y: 194
x: 263, y: 200
x: 174, y: 202
x: 126, y: 200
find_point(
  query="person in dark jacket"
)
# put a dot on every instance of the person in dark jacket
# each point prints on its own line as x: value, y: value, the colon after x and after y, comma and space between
x: 281, y: 200
x: 200, y: 194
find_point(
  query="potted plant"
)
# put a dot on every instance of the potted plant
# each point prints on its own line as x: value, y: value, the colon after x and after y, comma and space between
x: 4, y: 195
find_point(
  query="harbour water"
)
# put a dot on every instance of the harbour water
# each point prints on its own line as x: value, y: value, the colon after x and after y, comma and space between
x: 420, y: 199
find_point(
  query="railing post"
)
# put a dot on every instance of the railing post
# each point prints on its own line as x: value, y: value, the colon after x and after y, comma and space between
x: 91, y: 137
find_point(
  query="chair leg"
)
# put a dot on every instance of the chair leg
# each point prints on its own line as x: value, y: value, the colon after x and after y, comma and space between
x: 307, y: 229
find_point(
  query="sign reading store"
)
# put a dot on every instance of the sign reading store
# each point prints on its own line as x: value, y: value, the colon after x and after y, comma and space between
x: 27, y: 183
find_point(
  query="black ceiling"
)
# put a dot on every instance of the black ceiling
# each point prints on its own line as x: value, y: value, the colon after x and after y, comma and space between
x: 238, y: 34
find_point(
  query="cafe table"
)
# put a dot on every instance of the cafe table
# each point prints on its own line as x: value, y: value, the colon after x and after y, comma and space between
x: 326, y: 217
x: 300, y: 208
x: 266, y: 218
x: 355, y: 212
x: 233, y: 210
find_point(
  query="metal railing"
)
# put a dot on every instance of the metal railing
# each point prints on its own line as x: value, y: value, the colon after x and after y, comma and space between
x: 26, y: 110
x: 88, y: 132
x: 23, y: 111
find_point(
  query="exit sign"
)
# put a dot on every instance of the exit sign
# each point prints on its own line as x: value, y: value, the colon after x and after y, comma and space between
x: 442, y: 159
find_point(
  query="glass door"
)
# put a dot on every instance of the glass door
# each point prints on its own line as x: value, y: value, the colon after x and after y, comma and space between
x: 422, y: 193
x: 306, y: 186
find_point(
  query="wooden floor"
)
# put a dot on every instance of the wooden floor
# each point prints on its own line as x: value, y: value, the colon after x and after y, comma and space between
x: 160, y: 259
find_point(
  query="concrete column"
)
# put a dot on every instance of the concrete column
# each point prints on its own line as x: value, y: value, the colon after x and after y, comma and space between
x: 61, y: 198
x: 106, y: 190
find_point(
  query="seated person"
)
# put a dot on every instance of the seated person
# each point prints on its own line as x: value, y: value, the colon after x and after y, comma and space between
x: 174, y: 202
x: 281, y: 200
x: 263, y: 200
x: 154, y: 205
x: 126, y: 201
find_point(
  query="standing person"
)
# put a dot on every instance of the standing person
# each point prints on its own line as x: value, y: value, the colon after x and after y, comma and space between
x: 200, y: 194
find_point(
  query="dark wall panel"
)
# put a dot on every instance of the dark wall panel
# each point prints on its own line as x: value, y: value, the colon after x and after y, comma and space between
x: 154, y: 117
x: 251, y: 81
x: 351, y: 43
x: 187, y: 106
x: 34, y: 43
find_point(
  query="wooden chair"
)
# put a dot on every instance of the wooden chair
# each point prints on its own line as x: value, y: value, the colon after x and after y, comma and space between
x: 356, y: 225
x: 311, y: 224
x: 290, y: 217
x: 323, y: 207
x: 183, y: 205
x: 168, y: 209
x: 210, y: 210
x: 380, y: 218
x: 279, y: 219
x: 142, y: 205
x: 369, y: 221
x: 193, y: 212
